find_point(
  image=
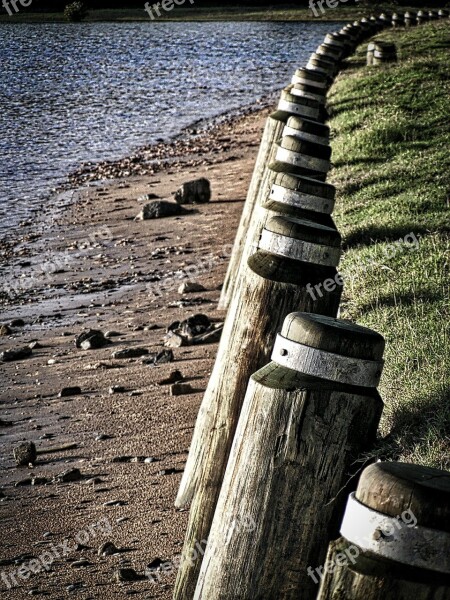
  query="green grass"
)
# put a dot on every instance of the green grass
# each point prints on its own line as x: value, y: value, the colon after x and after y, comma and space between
x: 391, y: 134
x: 204, y: 13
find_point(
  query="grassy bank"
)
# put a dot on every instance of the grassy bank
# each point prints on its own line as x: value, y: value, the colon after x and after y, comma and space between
x: 204, y: 13
x: 390, y: 151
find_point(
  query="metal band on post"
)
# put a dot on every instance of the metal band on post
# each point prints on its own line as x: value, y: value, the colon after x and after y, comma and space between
x: 297, y: 109
x: 303, y: 135
x: 284, y: 195
x: 326, y: 365
x: 302, y: 160
x: 388, y: 537
x: 283, y: 245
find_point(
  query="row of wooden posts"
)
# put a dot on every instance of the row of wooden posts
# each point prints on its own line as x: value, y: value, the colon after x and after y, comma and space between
x: 292, y: 402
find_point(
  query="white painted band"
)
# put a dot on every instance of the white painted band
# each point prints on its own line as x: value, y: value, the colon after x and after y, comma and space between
x: 318, y: 84
x: 328, y: 71
x: 384, y: 54
x: 298, y: 109
x: 303, y: 135
x: 393, y: 539
x: 320, y: 98
x: 331, y: 41
x: 330, y: 53
x: 275, y: 243
x: 326, y: 365
x: 302, y: 160
x: 301, y: 200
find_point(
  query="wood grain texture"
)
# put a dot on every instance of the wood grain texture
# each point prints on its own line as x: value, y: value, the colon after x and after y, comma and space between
x: 254, y: 317
x: 368, y: 578
x: 292, y: 455
x: 392, y: 488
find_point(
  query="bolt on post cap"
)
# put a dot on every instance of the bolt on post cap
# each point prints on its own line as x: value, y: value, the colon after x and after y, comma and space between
x: 401, y: 512
x: 326, y: 349
x: 301, y: 240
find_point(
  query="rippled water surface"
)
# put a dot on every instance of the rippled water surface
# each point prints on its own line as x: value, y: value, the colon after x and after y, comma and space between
x: 88, y: 92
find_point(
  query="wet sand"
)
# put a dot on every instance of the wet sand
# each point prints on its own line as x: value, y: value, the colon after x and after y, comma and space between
x: 100, y: 264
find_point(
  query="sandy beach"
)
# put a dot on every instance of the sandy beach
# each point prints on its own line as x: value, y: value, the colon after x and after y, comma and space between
x: 129, y: 436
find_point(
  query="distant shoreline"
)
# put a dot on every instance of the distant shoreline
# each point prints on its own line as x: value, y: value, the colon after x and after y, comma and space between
x: 341, y: 13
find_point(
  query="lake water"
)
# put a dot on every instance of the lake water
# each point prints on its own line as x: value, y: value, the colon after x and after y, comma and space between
x: 72, y: 93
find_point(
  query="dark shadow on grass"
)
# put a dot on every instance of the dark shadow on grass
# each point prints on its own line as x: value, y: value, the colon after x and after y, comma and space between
x: 389, y: 300
x: 412, y: 423
x: 366, y: 236
x: 359, y: 161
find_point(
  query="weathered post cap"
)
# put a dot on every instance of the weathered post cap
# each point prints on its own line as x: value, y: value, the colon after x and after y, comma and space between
x: 300, y: 89
x: 298, y: 105
x: 305, y: 158
x: 401, y: 512
x: 327, y: 349
x: 310, y: 77
x: 342, y: 40
x: 294, y: 250
x: 353, y: 31
x: 301, y: 192
x: 329, y: 50
x: 322, y: 64
x: 386, y: 17
x: 307, y: 129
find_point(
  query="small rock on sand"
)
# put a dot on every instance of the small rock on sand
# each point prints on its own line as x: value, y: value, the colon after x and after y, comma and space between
x: 189, y: 287
x: 69, y: 475
x: 159, y: 209
x: 91, y: 340
x: 25, y: 454
x: 70, y: 391
x: 130, y: 353
x: 4, y: 330
x: 174, y: 377
x: 197, y: 191
x: 126, y: 575
x: 107, y: 549
x: 15, y: 354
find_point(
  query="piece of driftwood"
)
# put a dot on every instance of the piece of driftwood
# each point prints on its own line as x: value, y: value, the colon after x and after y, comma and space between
x: 293, y: 254
x: 306, y: 417
x: 396, y: 538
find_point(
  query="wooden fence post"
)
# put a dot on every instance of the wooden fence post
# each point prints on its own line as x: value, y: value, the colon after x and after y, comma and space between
x: 293, y: 256
x: 288, y: 105
x: 410, y: 18
x: 422, y: 17
x: 306, y: 417
x: 396, y: 538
